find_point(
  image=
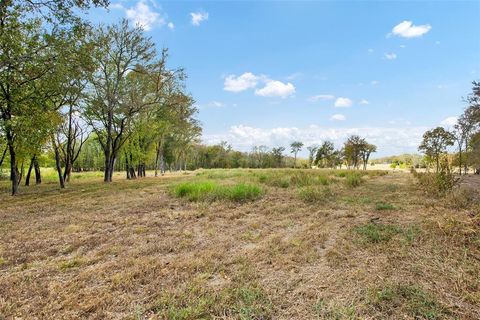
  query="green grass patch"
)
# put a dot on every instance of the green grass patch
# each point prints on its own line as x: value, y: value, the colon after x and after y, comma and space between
x: 409, y: 299
x: 210, y: 191
x: 73, y: 263
x: 378, y: 232
x: 353, y: 179
x: 315, y: 194
x: 384, y: 206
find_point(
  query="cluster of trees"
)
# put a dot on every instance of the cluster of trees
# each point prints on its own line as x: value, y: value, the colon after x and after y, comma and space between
x: 66, y: 85
x: 465, y: 135
x: 355, y: 153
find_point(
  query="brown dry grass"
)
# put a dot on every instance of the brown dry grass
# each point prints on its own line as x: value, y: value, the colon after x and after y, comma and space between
x: 131, y: 250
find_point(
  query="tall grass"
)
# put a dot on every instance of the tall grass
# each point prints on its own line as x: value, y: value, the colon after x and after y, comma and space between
x: 210, y: 191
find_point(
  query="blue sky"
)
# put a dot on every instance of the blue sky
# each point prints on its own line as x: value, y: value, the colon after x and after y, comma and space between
x: 270, y: 72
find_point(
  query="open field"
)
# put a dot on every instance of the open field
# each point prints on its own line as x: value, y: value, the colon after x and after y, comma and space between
x: 239, y: 244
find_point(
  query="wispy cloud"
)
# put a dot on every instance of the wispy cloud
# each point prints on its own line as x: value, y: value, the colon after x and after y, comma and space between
x: 198, y: 17
x: 390, y: 56
x: 364, y: 102
x: 343, y: 102
x: 338, y: 117
x: 407, y: 29
x: 320, y: 97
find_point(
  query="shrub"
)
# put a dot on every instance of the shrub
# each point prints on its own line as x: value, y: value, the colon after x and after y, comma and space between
x: 436, y: 183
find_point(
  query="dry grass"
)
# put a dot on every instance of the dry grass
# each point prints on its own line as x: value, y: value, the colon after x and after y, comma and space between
x: 313, y: 249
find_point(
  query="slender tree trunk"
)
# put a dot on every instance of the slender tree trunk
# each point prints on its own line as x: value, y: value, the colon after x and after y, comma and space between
x: 58, y: 164
x: 13, y: 165
x: 38, y: 176
x: 3, y: 155
x: 29, y: 172
x: 162, y: 163
x: 157, y: 160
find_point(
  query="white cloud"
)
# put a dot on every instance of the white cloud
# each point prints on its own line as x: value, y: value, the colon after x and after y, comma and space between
x: 246, y: 81
x: 275, y: 88
x: 449, y: 122
x: 343, y: 102
x: 407, y: 29
x: 364, y: 102
x: 390, y: 56
x: 389, y: 140
x: 321, y: 97
x: 198, y: 17
x: 338, y: 117
x: 143, y: 16
x: 171, y: 26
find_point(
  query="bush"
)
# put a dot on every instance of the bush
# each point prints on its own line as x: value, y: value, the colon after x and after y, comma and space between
x: 436, y: 183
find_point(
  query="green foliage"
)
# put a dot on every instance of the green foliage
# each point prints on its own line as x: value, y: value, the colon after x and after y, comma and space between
x: 439, y: 183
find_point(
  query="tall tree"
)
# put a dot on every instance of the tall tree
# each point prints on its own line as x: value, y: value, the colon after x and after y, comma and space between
x: 121, y: 88
x: 295, y: 148
x: 435, y: 143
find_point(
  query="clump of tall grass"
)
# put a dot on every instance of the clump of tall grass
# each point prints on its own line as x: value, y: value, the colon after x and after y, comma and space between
x: 439, y: 183
x: 210, y: 191
x: 312, y: 194
x: 353, y: 179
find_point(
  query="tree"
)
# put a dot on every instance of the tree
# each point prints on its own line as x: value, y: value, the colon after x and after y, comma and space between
x: 121, y: 88
x: 353, y: 150
x: 312, y: 151
x: 365, y: 153
x: 435, y: 143
x: 295, y: 147
x: 324, y: 154
x: 277, y: 154
x: 28, y: 63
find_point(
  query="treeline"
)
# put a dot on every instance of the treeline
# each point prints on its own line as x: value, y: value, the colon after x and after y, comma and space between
x: 85, y: 94
x: 465, y: 137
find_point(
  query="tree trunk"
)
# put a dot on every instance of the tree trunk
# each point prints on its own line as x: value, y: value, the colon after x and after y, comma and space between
x: 3, y: 155
x: 162, y: 163
x: 58, y: 165
x: 13, y: 166
x: 38, y: 176
x: 30, y: 168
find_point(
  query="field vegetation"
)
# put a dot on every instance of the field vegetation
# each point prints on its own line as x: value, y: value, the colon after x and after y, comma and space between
x: 239, y: 244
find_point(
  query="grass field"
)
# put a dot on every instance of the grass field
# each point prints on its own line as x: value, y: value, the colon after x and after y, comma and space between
x: 239, y: 244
